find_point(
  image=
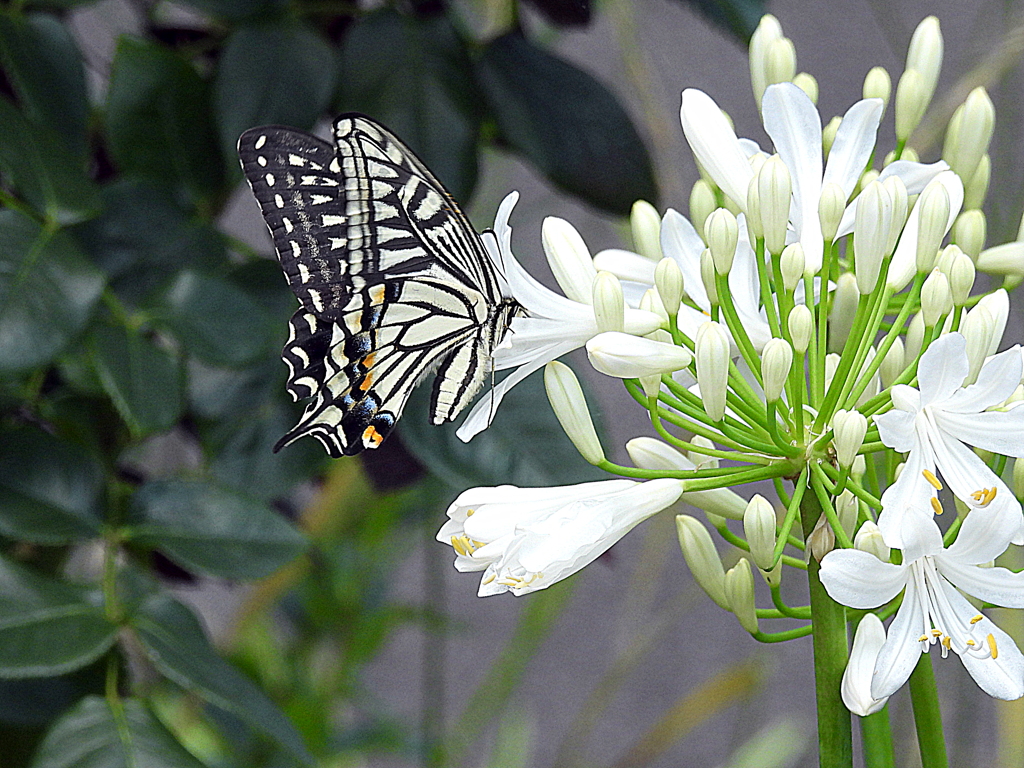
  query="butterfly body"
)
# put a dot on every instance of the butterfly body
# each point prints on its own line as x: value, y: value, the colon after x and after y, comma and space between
x: 393, y: 282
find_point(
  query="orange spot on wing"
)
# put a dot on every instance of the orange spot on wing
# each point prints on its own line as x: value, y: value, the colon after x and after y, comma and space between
x: 377, y: 294
x: 367, y: 382
x: 371, y: 437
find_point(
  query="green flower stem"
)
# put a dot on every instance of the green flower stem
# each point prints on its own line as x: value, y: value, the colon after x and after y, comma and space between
x: 733, y: 437
x: 780, y: 490
x: 691, y: 406
x: 850, y: 350
x: 787, y: 448
x: 710, y: 452
x: 735, y: 325
x: 767, y: 294
x: 831, y: 472
x: 793, y: 509
x: 741, y: 477
x: 876, y: 737
x: 927, y: 719
x: 818, y: 480
x: 835, y: 734
x: 781, y: 637
x: 819, y: 341
x: 678, y: 474
x: 697, y: 427
x: 796, y: 387
x: 799, y: 612
x: 864, y: 343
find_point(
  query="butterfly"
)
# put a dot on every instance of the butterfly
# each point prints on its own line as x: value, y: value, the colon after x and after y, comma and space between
x: 392, y: 280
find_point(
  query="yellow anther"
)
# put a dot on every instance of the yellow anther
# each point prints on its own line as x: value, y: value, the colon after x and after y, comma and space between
x: 977, y: 618
x: 923, y: 639
x: 990, y: 494
x: 931, y: 478
x: 470, y: 512
x: 946, y: 642
x: 936, y: 507
x: 936, y: 633
x: 992, y: 647
x: 490, y: 578
x: 457, y: 545
x: 971, y: 643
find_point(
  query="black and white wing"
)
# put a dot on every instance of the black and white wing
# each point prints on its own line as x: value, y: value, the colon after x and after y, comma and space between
x: 392, y: 280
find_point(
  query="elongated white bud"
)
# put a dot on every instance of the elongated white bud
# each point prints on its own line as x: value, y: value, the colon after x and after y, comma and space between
x: 844, y: 309
x: 849, y: 428
x: 702, y: 203
x: 961, y: 275
x: 759, y: 528
x: 969, y: 232
x: 629, y: 357
x: 976, y: 188
x: 1005, y: 259
x: 776, y: 362
x: 831, y: 206
x: 915, y: 338
x: 569, y: 259
x: 934, y: 205
x: 860, y: 669
x: 707, y: 276
x: 969, y: 133
x: 668, y: 279
x: 900, y: 209
x: 893, y: 364
x: 822, y: 539
x: 645, y: 224
x: 925, y: 53
x: 775, y: 189
x: 702, y: 558
x: 801, y: 327
x: 609, y: 306
x: 722, y: 234
x: 792, y: 264
x: 570, y: 406
x: 877, y: 85
x: 936, y: 299
x: 806, y: 83
x: 701, y: 459
x: 651, y: 302
x: 780, y: 61
x: 828, y: 134
x: 870, y: 235
x: 755, y: 225
x: 768, y: 30
x: 712, y: 352
x: 739, y: 589
x: 847, y: 510
x: 911, y: 103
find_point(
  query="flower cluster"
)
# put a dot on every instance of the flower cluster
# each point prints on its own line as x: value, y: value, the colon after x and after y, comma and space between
x: 813, y: 324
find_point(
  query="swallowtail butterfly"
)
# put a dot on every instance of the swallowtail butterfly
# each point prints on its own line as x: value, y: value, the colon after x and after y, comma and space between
x: 392, y: 280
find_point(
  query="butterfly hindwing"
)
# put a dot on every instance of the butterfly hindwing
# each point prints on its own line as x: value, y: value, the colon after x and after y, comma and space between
x: 392, y: 280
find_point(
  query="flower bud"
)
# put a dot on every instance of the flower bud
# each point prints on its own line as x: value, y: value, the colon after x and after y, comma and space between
x: 712, y: 347
x: 801, y: 327
x: 828, y: 134
x: 759, y: 528
x: 866, y: 178
x: 700, y: 458
x: 609, y: 306
x: 924, y: 54
x: 911, y: 103
x: 668, y: 279
x: 702, y: 558
x: 822, y: 539
x: 1005, y: 259
x: 961, y: 275
x: 570, y: 406
x: 754, y: 220
x: 869, y: 539
x: 936, y: 299
x: 934, y: 206
x: 849, y: 428
x: 645, y: 224
x: 831, y: 206
x: 860, y: 669
x: 831, y: 364
x: 877, y: 85
x: 844, y: 309
x: 893, y: 364
x: 976, y: 188
x: 775, y: 191
x: 707, y: 276
x: 780, y: 61
x: 915, y: 338
x: 969, y: 232
x: 629, y: 357
x: 873, y: 221
x: 847, y: 510
x: 721, y: 232
x: 969, y: 133
x: 702, y: 203
x: 569, y: 259
x: 806, y: 83
x: 651, y: 302
x: 900, y: 208
x: 776, y: 362
x: 792, y: 265
x: 739, y: 590
x: 768, y: 30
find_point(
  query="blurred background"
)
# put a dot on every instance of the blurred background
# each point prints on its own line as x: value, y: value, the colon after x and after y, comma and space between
x: 172, y: 589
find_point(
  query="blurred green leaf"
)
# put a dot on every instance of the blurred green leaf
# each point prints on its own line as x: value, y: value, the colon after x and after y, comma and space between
x: 47, y: 292
x: 34, y: 611
x: 143, y: 238
x: 43, y: 170
x: 43, y: 63
x: 160, y: 119
x: 280, y: 75
x: 91, y: 736
x: 49, y: 489
x: 142, y: 380
x: 32, y: 702
x: 214, y: 320
x: 174, y: 640
x: 203, y: 527
x: 414, y: 75
x: 58, y: 4
x: 566, y: 123
x: 516, y: 449
x: 238, y: 9
x: 737, y: 17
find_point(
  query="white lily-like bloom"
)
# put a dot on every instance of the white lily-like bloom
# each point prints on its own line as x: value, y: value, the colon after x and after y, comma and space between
x: 525, y: 539
x: 934, y: 422
x: 794, y: 125
x: 631, y: 357
x: 553, y: 325
x: 933, y: 610
x: 856, y: 686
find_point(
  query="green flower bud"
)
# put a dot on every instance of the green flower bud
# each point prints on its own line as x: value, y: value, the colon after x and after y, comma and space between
x: 877, y: 85
x: 570, y: 406
x: 828, y: 134
x: 739, y: 590
x: 776, y: 362
x: 721, y: 233
x: 609, y: 306
x: 645, y: 224
x: 849, y: 428
x: 801, y: 327
x: 712, y: 353
x: 969, y: 232
x: 806, y: 83
x: 780, y: 61
x: 702, y: 558
x: 759, y: 528
x: 1018, y: 478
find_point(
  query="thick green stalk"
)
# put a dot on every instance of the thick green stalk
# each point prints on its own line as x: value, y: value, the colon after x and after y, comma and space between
x: 927, y: 718
x: 835, y: 731
x: 876, y: 737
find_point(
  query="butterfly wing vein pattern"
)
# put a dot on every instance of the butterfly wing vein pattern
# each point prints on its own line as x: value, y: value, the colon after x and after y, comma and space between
x: 392, y: 280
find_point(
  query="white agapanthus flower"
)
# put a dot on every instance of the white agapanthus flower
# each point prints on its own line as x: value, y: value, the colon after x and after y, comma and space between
x: 554, y: 324
x: 934, y: 422
x: 933, y: 611
x: 525, y: 539
x: 860, y: 669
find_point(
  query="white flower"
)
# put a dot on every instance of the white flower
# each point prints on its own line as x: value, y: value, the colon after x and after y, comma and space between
x: 525, y: 539
x: 856, y: 686
x: 934, y: 422
x: 630, y: 357
x: 553, y: 325
x: 933, y: 611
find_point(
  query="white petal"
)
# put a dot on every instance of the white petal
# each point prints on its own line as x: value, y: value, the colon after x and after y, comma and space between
x: 680, y: 241
x: 915, y: 176
x: 853, y: 144
x: 896, y: 429
x: 715, y: 145
x: 901, y: 652
x: 626, y: 265
x: 996, y: 585
x: 997, y: 380
x: 859, y: 579
x: 943, y: 368
x: 962, y: 469
x: 904, y: 260
x: 910, y: 491
x: 996, y: 431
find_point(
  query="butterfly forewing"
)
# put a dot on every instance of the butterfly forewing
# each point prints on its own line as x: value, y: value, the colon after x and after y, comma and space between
x: 391, y: 279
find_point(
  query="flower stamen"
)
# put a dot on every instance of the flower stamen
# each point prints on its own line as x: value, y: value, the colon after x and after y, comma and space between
x: 932, y: 479
x: 936, y: 506
x: 985, y: 496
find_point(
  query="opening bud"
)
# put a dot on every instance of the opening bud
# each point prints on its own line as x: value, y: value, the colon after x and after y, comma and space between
x: 873, y: 220
x: 668, y: 279
x: 775, y: 189
x: 609, y: 306
x: 969, y: 232
x: 860, y: 669
x: 849, y: 428
x: 702, y: 558
x: 739, y: 589
x: 780, y: 61
x: 630, y: 357
x: 645, y: 224
x: 702, y: 203
x: 869, y: 539
x: 776, y: 362
x: 721, y: 232
x: 712, y: 352
x: 570, y: 406
x: 893, y: 364
x: 877, y: 85
x: 759, y: 528
x: 792, y: 265
x: 569, y: 259
x: 936, y: 299
x: 801, y: 327
x: 831, y: 206
x: 806, y: 83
